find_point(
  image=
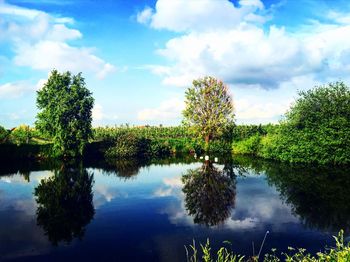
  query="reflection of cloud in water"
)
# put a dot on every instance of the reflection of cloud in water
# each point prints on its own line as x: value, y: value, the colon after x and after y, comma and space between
x: 257, y: 205
x: 246, y: 223
x: 172, y: 187
x: 35, y: 177
x: 103, y: 194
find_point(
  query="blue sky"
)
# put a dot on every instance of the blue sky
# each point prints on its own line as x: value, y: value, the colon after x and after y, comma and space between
x: 138, y: 57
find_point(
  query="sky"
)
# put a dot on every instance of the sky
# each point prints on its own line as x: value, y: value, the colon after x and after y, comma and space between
x: 139, y: 57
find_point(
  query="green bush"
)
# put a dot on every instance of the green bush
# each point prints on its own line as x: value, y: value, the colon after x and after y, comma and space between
x: 249, y: 146
x: 3, y: 134
x: 21, y: 135
x: 316, y: 129
x: 127, y: 144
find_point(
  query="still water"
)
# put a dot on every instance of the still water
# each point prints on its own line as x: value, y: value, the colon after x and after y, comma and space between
x: 148, y: 210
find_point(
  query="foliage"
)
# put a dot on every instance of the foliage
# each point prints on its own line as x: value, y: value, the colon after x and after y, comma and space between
x: 222, y: 255
x: 209, y: 194
x: 21, y: 135
x: 316, y: 129
x: 340, y: 253
x: 248, y: 147
x: 127, y: 144
x: 65, y: 106
x: 3, y: 134
x: 146, y: 141
x: 209, y: 108
x: 65, y: 204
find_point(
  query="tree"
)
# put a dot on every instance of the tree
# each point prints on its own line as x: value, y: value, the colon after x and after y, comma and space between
x: 65, y: 115
x: 209, y: 108
x: 317, y: 127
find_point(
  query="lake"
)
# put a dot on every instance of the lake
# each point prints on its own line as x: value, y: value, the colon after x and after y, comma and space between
x: 142, y: 210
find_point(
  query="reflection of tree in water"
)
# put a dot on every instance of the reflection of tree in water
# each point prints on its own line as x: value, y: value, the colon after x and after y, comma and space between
x: 209, y: 194
x: 319, y: 196
x: 65, y: 204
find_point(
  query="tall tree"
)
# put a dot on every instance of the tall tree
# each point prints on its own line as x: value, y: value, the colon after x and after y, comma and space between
x: 65, y: 115
x: 209, y: 108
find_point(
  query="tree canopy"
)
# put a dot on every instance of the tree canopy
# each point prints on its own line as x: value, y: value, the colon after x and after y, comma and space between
x: 209, y: 108
x: 65, y: 115
x: 316, y: 129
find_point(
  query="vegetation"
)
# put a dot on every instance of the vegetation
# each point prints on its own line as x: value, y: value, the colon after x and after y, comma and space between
x: 340, y: 253
x: 209, y: 108
x: 316, y: 130
x: 65, y: 106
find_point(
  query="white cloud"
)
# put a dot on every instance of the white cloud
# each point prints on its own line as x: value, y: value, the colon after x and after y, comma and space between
x: 145, y: 15
x: 168, y: 109
x: 40, y: 41
x: 220, y: 39
x: 184, y: 15
x: 16, y: 89
x: 98, y: 115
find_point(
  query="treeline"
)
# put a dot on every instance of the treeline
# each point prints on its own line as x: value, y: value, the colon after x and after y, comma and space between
x: 316, y: 129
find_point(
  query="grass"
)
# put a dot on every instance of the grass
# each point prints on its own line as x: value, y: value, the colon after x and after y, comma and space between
x: 339, y: 253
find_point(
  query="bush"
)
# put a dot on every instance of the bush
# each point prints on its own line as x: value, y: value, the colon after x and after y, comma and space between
x: 3, y: 134
x: 21, y: 135
x: 126, y: 144
x: 249, y: 146
x: 317, y: 127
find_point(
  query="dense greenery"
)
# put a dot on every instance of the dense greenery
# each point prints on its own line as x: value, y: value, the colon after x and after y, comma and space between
x: 65, y: 106
x: 316, y: 129
x: 209, y: 108
x: 340, y: 253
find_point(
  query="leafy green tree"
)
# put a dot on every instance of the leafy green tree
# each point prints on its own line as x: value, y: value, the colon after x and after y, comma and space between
x: 65, y: 115
x: 209, y: 108
x: 317, y: 127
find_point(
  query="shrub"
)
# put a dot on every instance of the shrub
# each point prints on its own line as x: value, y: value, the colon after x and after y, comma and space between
x: 249, y: 146
x: 3, y: 134
x: 126, y: 144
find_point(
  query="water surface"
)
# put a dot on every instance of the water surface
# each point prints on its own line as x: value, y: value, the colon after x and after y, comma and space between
x: 148, y: 210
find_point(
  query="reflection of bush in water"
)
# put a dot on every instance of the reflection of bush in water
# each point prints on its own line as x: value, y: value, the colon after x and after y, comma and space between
x: 320, y: 196
x: 65, y: 204
x: 124, y: 168
x: 209, y: 194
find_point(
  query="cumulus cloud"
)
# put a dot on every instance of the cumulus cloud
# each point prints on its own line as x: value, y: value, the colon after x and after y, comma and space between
x: 41, y: 41
x: 16, y: 89
x: 227, y: 41
x: 183, y: 15
x: 168, y: 109
x: 98, y: 115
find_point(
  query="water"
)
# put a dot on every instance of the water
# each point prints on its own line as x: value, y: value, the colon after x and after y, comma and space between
x: 148, y: 211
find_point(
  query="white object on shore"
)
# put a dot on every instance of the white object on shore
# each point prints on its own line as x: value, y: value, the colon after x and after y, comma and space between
x: 206, y: 158
x: 216, y: 159
x: 201, y: 157
x: 195, y: 156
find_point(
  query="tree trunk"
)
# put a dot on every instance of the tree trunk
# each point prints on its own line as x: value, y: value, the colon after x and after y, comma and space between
x: 207, y: 139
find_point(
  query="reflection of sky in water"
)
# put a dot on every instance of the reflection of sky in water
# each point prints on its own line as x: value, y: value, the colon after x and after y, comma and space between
x: 145, y: 217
